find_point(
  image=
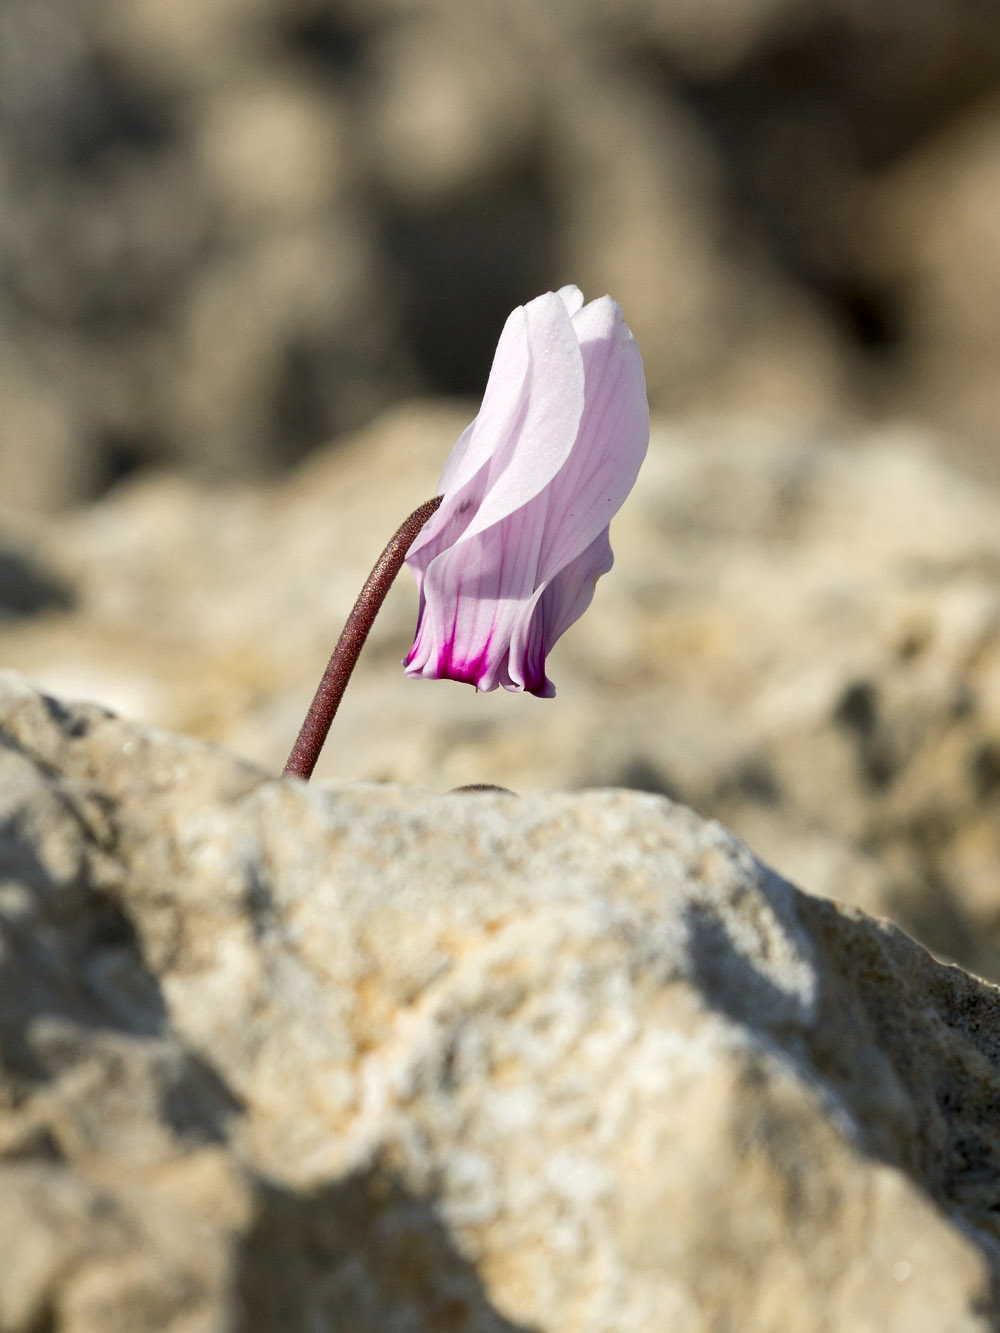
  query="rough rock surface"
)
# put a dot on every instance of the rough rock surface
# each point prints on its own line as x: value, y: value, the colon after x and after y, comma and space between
x: 358, y: 1057
x: 801, y: 637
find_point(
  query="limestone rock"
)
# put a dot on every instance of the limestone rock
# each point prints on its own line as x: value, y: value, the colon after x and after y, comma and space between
x: 278, y: 1057
x: 800, y: 636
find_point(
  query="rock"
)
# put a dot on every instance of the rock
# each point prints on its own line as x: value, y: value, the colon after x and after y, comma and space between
x: 801, y: 637
x: 276, y: 1057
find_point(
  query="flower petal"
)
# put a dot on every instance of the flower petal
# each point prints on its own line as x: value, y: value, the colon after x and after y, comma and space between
x: 510, y: 559
x: 473, y: 596
x: 612, y: 441
x: 552, y: 405
x: 553, y: 609
x: 526, y: 426
x: 572, y: 298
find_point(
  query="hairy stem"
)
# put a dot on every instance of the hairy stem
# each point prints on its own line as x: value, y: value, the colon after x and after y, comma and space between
x: 330, y: 691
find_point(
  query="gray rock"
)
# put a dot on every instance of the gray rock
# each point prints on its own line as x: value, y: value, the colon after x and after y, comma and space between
x: 278, y: 1057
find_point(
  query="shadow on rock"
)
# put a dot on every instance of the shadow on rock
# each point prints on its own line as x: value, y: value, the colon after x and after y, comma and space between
x: 362, y: 1255
x: 82, y: 1015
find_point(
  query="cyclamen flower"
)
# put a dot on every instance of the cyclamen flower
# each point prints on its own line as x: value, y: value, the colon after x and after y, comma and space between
x: 511, y: 558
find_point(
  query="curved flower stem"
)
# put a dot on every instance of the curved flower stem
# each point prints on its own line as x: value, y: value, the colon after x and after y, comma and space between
x: 330, y: 691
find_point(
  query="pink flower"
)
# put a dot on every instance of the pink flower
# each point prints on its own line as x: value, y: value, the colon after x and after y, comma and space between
x: 511, y: 558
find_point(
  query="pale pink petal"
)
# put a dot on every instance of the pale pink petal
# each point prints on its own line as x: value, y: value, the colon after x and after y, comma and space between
x: 443, y: 529
x: 572, y: 298
x: 511, y: 558
x: 553, y: 609
x: 525, y: 429
x: 472, y: 597
x: 611, y: 444
x: 553, y: 403
x: 456, y: 473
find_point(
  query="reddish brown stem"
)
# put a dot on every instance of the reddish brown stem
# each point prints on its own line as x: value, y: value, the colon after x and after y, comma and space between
x: 326, y: 700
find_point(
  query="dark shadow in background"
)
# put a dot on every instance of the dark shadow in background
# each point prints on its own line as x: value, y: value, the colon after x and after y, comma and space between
x: 28, y: 589
x: 800, y: 125
x: 323, y: 40
x: 463, y: 266
x: 827, y: 105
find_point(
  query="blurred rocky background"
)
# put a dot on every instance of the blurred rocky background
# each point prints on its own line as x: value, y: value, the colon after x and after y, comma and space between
x: 249, y: 248
x: 233, y: 229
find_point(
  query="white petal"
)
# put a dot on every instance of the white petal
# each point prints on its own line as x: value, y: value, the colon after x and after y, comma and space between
x: 572, y: 298
x: 555, y: 607
x: 552, y: 403
x: 613, y: 437
x: 525, y: 429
